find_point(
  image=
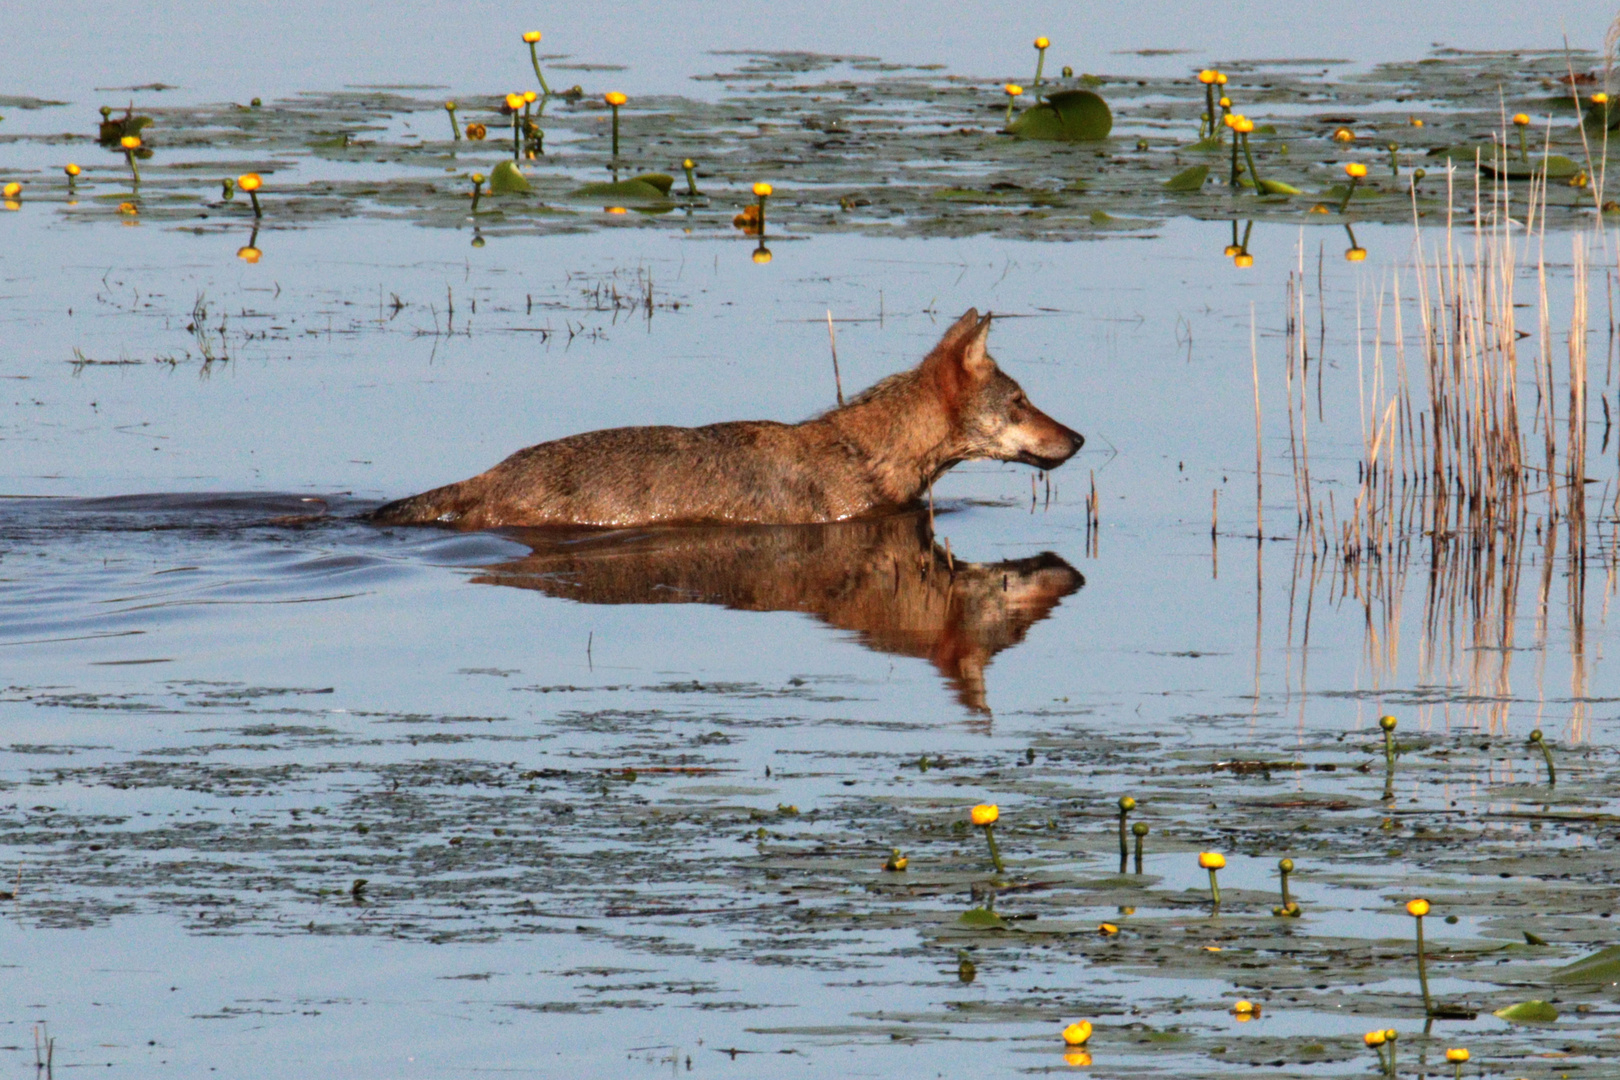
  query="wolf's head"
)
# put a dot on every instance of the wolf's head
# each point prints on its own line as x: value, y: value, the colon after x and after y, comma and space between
x: 990, y: 415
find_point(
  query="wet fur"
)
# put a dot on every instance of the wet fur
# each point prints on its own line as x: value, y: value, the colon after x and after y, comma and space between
x: 878, y: 453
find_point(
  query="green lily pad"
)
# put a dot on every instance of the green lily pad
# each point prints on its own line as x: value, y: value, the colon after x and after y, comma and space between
x: 1528, y: 1012
x: 1602, y: 966
x: 1211, y: 145
x: 1534, y: 939
x: 115, y: 128
x: 1598, y: 117
x: 1277, y: 187
x: 507, y: 179
x: 980, y: 919
x: 1492, y: 162
x: 1066, y: 116
x: 1191, y: 179
x: 648, y: 187
x: 1556, y: 166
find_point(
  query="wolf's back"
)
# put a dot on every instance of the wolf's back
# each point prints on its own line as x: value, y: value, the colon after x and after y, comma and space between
x: 444, y: 504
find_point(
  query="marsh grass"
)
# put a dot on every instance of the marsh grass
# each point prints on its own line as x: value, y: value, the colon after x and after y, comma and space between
x: 1473, y: 430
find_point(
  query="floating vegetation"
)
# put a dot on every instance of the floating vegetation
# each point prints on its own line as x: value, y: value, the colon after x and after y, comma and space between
x: 873, y: 153
x: 1065, y: 116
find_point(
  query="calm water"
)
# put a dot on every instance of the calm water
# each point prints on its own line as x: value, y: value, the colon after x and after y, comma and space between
x: 621, y: 801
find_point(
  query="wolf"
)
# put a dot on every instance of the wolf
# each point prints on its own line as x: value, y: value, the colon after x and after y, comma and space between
x: 884, y: 580
x: 879, y: 453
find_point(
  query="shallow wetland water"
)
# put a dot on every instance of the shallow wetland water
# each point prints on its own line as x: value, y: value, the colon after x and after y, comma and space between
x: 283, y: 793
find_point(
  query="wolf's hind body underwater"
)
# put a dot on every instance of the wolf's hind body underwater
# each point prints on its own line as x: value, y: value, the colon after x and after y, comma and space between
x: 879, y: 453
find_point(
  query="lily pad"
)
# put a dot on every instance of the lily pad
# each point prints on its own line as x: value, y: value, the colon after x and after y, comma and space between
x: 1528, y: 1012
x: 1600, y: 116
x: 1493, y: 163
x: 1066, y: 116
x: 648, y: 187
x: 1602, y: 966
x: 507, y: 179
x: 1190, y: 179
x: 980, y: 919
x: 1277, y: 187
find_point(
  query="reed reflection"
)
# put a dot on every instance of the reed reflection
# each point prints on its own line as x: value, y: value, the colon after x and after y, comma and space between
x: 886, y: 581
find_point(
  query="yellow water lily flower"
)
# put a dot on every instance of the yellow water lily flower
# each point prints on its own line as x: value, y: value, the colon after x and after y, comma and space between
x: 1078, y: 1033
x: 986, y: 814
x: 614, y: 98
x: 1355, y: 169
x: 1417, y: 908
x: 1211, y: 860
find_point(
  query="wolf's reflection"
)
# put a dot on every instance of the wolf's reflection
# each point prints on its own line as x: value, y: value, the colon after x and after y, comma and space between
x: 886, y: 580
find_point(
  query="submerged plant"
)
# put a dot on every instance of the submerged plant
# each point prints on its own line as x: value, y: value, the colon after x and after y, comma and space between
x: 1417, y: 909
x: 250, y: 183
x: 1243, y: 127
x: 72, y: 172
x: 1522, y: 121
x: 1231, y: 120
x: 1208, y: 128
x: 1288, y: 907
x: 131, y: 143
x: 614, y: 99
x: 1126, y: 805
x: 1537, y: 740
x: 514, y: 108
x: 1378, y: 1040
x: 762, y: 191
x: 1213, y: 861
x: 1140, y: 831
x: 1041, y: 45
x: 1013, y: 91
x: 896, y: 862
x: 691, y: 189
x: 1355, y: 170
x: 985, y: 815
x: 532, y: 38
x: 478, y: 188
x: 1457, y: 1055
x: 1394, y: 149
x: 455, y: 129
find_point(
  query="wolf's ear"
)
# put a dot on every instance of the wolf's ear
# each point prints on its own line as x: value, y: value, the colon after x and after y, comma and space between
x: 975, y: 359
x: 961, y: 327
